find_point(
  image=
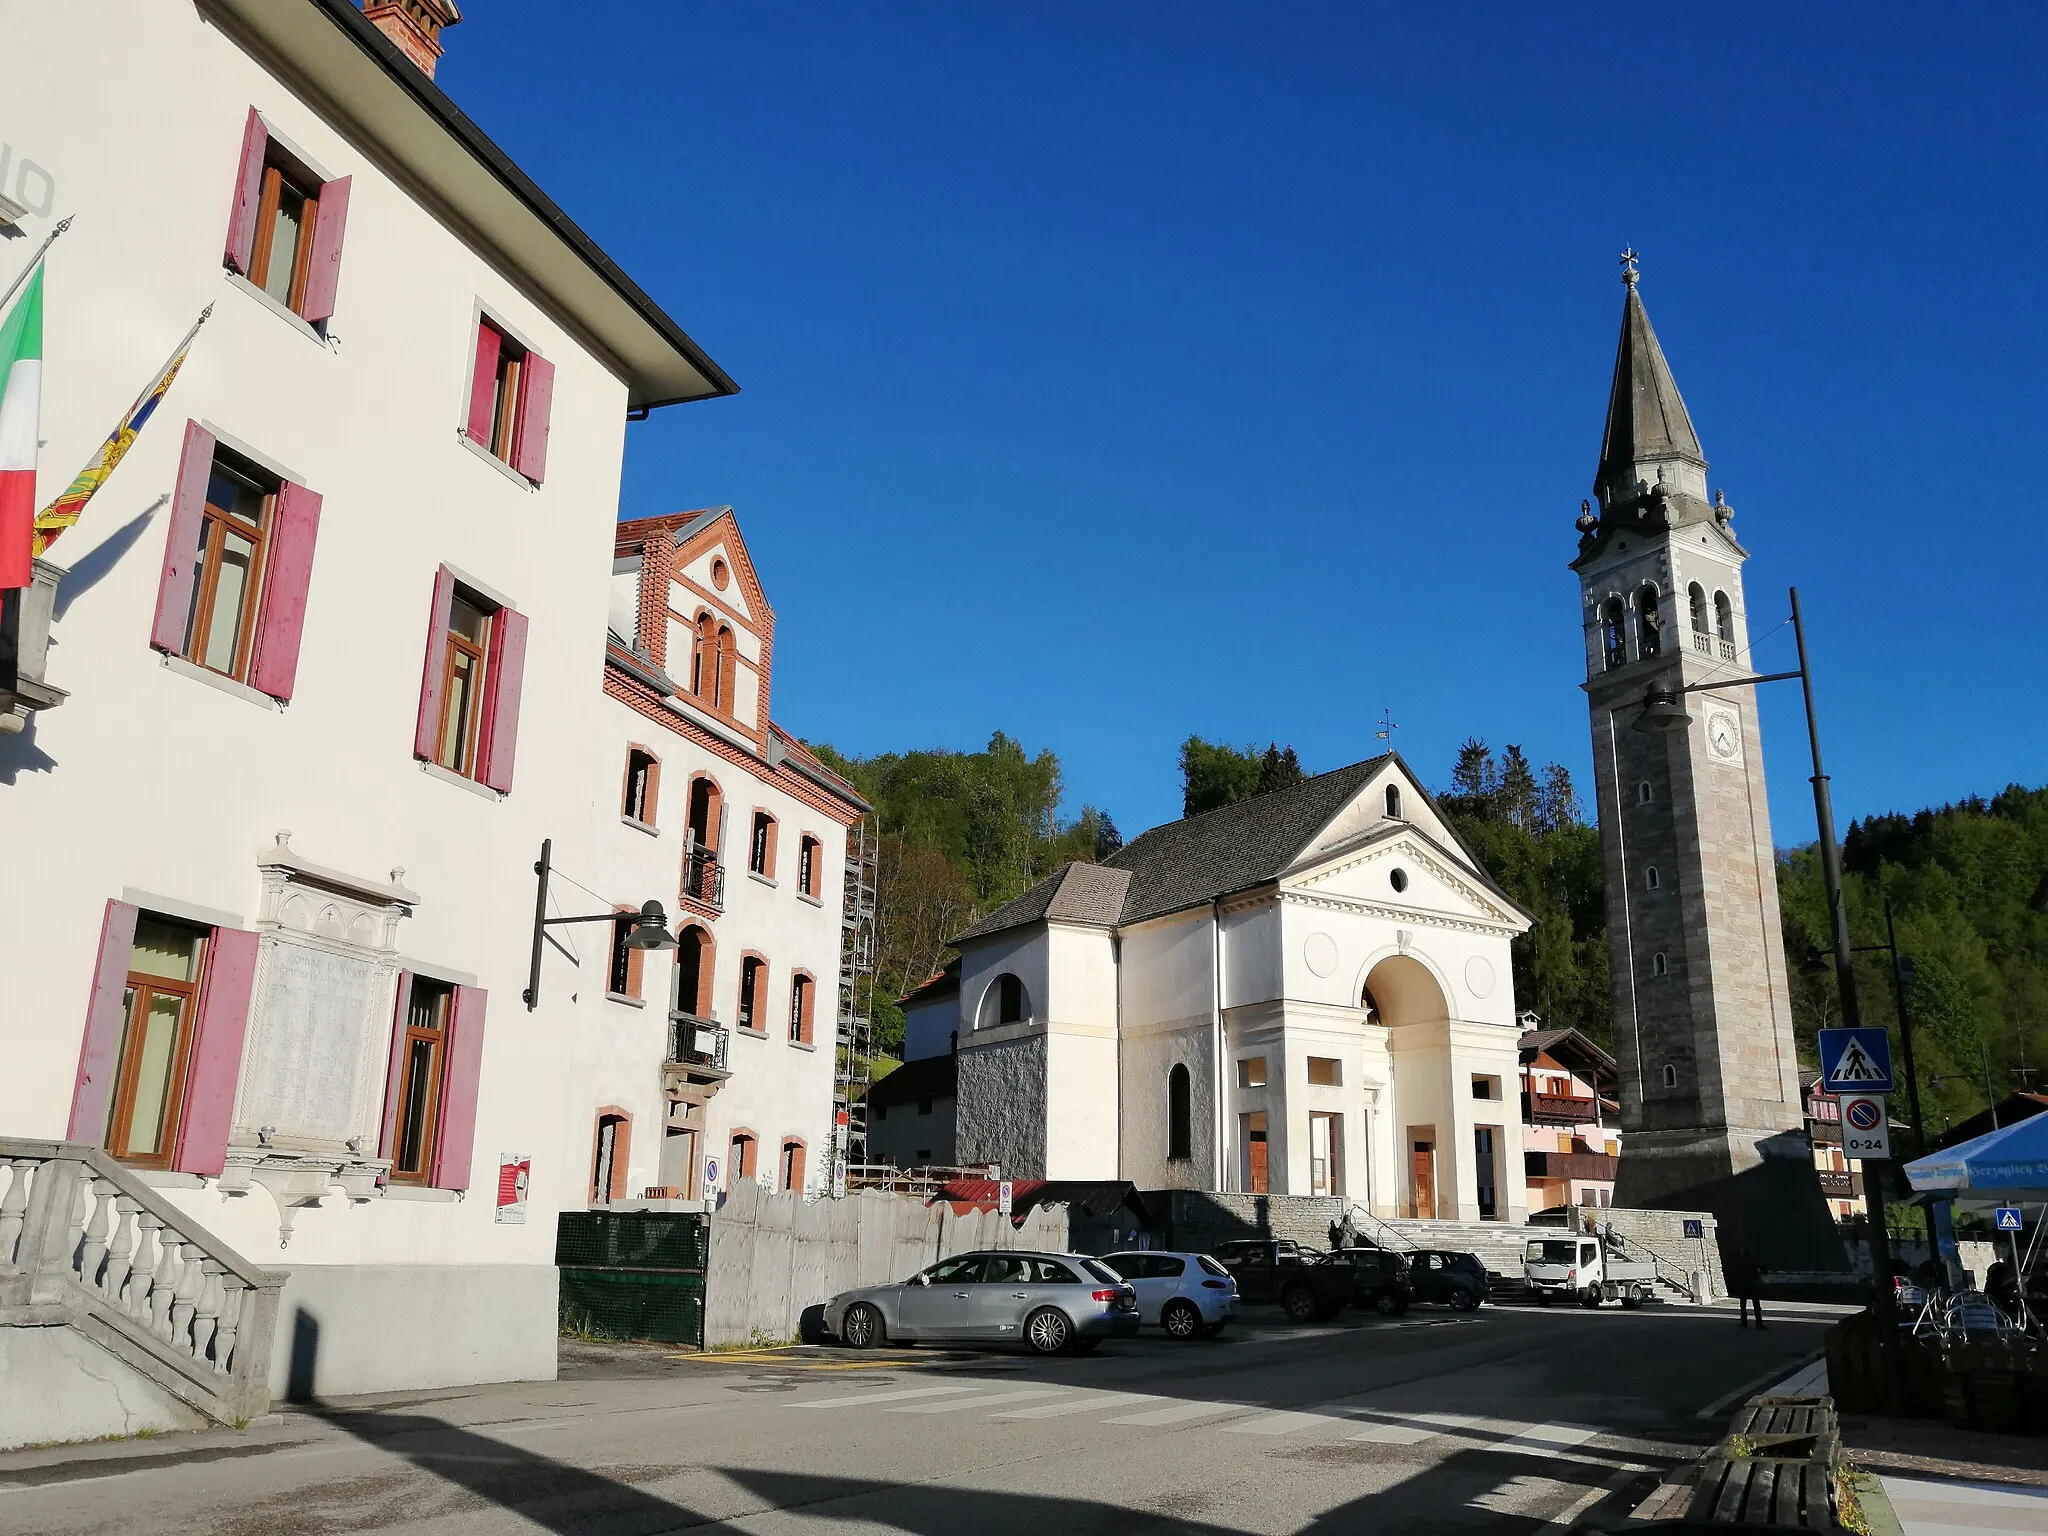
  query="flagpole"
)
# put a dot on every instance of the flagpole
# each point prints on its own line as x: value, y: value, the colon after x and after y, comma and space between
x: 48, y: 241
x: 205, y: 315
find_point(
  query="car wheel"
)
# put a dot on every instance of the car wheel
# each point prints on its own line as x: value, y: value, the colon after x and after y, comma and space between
x: 1464, y: 1301
x: 1047, y: 1331
x: 1181, y: 1320
x: 1389, y: 1305
x: 1589, y: 1299
x: 861, y: 1328
x: 1299, y: 1302
x: 1633, y: 1300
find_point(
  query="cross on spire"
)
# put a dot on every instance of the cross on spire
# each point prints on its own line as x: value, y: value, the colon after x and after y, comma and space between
x: 1628, y: 266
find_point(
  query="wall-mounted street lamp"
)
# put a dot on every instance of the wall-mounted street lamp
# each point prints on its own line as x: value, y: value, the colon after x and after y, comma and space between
x: 650, y: 928
x: 1664, y: 711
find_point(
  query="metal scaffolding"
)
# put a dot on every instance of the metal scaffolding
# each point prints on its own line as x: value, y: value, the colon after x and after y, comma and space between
x: 855, y: 1044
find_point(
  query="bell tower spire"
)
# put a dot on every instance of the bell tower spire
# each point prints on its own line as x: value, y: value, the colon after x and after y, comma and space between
x: 1649, y: 438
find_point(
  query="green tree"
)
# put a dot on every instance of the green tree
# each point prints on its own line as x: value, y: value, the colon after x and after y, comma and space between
x: 1216, y: 773
x: 1279, y: 769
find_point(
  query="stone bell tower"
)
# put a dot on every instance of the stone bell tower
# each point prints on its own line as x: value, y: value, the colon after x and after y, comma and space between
x: 1702, y: 1016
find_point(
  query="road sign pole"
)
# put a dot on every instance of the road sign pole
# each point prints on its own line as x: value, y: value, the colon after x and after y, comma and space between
x: 1852, y: 1015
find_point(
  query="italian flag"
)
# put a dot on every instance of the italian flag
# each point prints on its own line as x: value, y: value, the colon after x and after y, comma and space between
x: 21, y: 403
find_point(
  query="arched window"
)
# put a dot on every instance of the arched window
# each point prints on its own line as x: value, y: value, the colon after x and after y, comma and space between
x: 753, y: 976
x: 1651, y: 618
x: 608, y: 1155
x: 1658, y: 965
x: 1613, y: 637
x: 802, y: 997
x: 721, y: 682
x: 807, y: 868
x: 1670, y: 1076
x: 693, y: 970
x: 701, y: 657
x: 1697, y: 595
x: 1651, y: 877
x: 1005, y: 1002
x: 1644, y: 794
x: 1724, y: 617
x: 1180, y: 1115
x: 1394, y: 801
x: 761, y: 847
x: 792, y: 1164
x: 740, y: 1163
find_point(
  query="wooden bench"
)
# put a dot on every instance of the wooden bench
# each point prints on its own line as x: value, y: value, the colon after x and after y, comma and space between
x: 1775, y: 1468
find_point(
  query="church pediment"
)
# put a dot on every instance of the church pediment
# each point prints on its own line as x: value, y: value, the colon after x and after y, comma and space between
x: 1398, y: 871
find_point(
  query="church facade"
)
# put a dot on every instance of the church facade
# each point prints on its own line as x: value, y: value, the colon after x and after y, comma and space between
x: 1308, y: 993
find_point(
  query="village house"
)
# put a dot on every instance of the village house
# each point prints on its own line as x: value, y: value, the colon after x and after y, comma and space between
x: 324, y: 678
x: 713, y: 1061
x: 1570, y: 1140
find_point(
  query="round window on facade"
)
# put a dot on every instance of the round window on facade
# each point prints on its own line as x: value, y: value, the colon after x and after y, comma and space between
x: 1398, y: 879
x: 720, y: 575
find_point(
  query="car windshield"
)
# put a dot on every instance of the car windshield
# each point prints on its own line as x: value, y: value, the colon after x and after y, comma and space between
x: 1212, y: 1266
x: 1551, y: 1252
x: 1099, y: 1271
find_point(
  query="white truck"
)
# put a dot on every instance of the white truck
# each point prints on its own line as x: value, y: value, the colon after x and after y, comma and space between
x: 1585, y: 1270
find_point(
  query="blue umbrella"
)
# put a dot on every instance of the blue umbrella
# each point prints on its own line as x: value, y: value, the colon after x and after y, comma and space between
x: 2007, y: 1164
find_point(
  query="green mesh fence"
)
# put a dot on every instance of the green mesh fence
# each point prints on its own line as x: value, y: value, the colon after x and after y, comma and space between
x: 672, y: 1240
x: 635, y: 1305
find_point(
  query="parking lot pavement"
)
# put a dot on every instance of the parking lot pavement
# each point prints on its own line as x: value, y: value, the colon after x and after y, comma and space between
x: 1502, y: 1421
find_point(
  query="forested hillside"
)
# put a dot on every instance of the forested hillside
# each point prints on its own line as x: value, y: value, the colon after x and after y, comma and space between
x: 963, y: 832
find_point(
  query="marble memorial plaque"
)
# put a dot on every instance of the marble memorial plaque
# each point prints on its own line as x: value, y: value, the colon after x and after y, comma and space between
x: 309, y: 1034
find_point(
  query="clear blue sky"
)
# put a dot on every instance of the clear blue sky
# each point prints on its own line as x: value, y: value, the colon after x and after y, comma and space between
x: 1116, y: 372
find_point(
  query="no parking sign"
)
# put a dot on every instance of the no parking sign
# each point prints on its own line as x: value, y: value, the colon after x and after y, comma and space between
x: 1865, y: 1130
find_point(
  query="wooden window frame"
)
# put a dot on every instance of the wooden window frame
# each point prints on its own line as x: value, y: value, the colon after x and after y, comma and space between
x: 271, y: 198
x: 436, y: 1039
x: 453, y: 645
x: 504, y: 443
x: 215, y: 523
x: 139, y: 989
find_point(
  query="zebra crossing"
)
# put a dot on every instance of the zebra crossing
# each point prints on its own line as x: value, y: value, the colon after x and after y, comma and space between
x: 1346, y: 1419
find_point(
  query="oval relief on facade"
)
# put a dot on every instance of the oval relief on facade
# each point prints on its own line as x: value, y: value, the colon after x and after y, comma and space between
x: 1479, y: 975
x: 1319, y: 954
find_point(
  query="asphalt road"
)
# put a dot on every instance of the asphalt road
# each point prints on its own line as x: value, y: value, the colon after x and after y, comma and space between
x: 1507, y: 1421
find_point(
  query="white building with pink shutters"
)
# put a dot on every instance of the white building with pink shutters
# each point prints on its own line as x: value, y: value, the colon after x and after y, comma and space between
x: 330, y: 645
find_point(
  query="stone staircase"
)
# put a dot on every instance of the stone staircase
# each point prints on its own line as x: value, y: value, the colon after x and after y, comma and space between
x: 117, y: 1311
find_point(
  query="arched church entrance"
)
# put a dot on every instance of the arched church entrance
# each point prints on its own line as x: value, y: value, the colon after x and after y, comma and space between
x: 1400, y: 993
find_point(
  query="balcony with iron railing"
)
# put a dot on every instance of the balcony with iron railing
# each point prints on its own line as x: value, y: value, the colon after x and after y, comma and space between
x: 1840, y: 1183
x: 697, y: 1043
x: 704, y: 876
x: 1566, y: 1108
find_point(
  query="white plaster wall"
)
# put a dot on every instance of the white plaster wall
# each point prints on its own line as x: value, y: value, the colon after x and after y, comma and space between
x: 147, y: 778
x: 778, y: 1088
x: 61, y: 1386
x: 1081, y: 1055
x: 904, y: 1134
x: 928, y: 1027
x: 1025, y: 952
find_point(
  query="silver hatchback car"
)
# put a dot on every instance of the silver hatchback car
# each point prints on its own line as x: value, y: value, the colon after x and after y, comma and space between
x: 1054, y: 1302
x: 1190, y: 1295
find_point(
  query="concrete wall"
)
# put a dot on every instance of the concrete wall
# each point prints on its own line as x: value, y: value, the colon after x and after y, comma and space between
x: 1664, y: 1231
x: 56, y: 1384
x: 774, y: 1256
x: 345, y: 1328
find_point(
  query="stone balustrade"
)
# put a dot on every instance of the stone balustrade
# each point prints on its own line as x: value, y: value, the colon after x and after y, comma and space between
x: 81, y: 1234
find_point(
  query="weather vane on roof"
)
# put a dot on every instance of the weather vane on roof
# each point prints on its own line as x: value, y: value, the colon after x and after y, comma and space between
x: 1628, y: 266
x: 1387, y: 728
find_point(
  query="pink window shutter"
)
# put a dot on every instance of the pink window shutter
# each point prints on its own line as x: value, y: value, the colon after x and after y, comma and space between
x: 248, y: 194
x: 454, y: 1148
x: 387, y: 1138
x: 501, y: 697
x: 435, y: 680
x: 536, y: 403
x: 285, y: 584
x: 483, y: 385
x: 217, y: 1052
x: 106, y: 1017
x: 181, y: 547
x: 323, y: 268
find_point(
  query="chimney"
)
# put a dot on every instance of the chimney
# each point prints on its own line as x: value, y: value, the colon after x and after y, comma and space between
x: 415, y: 26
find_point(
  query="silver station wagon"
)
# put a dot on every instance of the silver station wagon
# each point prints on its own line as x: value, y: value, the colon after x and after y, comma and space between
x: 1053, y: 1302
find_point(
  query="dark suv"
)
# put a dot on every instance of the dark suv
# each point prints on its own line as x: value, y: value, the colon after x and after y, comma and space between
x: 1379, y: 1279
x: 1278, y: 1269
x: 1458, y: 1280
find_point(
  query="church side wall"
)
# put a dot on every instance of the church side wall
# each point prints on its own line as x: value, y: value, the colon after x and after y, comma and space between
x: 1001, y: 1106
x: 1081, y: 1054
x: 1167, y: 982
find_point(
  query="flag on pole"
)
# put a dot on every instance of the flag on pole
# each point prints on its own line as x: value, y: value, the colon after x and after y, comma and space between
x: 63, y: 512
x: 21, y: 409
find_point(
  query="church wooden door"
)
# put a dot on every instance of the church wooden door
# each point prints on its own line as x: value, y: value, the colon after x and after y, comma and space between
x: 1425, y: 1179
x: 1255, y: 1154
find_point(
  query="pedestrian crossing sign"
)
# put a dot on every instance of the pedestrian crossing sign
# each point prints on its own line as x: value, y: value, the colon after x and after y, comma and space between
x: 1856, y: 1061
x: 2008, y: 1218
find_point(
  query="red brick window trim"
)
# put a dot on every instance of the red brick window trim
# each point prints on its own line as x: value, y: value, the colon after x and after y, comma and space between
x: 641, y: 797
x: 740, y: 1155
x: 791, y: 1167
x: 761, y: 845
x: 611, y: 1146
x: 753, y: 991
x: 803, y: 1000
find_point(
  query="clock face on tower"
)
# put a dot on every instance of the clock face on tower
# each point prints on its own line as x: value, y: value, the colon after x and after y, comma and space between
x: 1724, y: 735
